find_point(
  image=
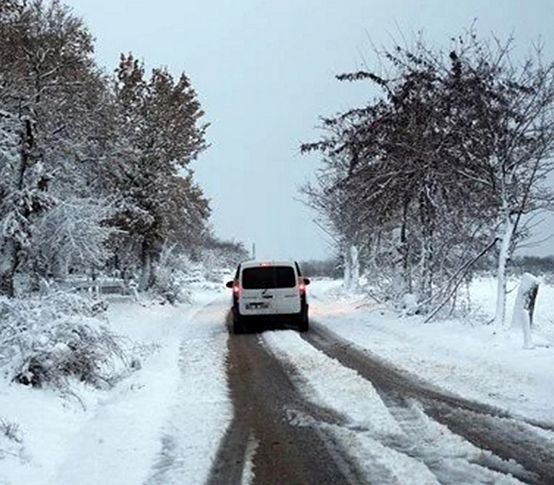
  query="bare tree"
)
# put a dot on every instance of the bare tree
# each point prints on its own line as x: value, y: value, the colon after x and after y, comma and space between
x: 443, y: 166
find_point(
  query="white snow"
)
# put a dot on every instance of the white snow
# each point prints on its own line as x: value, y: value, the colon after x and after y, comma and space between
x: 202, y: 410
x: 384, y: 464
x: 176, y: 407
x: 327, y: 382
x: 467, y: 357
x: 391, y: 444
x: 163, y: 423
x: 248, y: 472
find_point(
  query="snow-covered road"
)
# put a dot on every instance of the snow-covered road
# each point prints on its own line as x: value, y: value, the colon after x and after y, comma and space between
x: 296, y: 396
x: 465, y: 356
x: 334, y: 405
x: 366, y: 420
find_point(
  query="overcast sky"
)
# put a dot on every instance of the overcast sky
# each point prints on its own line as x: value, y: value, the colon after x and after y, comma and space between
x: 264, y: 71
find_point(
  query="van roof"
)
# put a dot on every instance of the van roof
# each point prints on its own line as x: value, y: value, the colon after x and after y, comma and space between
x: 253, y: 264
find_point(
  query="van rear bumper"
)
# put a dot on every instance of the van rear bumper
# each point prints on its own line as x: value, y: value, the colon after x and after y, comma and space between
x: 270, y: 317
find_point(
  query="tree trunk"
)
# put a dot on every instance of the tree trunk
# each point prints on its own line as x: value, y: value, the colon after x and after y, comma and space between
x: 424, y: 270
x: 347, y: 270
x: 355, y: 268
x: 503, y: 258
x: 146, y: 275
x: 8, y: 267
x: 405, y: 251
x: 426, y: 262
x: 9, y: 254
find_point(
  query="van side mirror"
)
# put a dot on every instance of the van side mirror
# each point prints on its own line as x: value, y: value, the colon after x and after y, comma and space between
x: 229, y: 284
x: 306, y: 281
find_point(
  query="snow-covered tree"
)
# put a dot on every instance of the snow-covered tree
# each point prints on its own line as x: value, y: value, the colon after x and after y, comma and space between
x: 73, y: 234
x: 521, y: 134
x: 45, y: 51
x: 160, y: 120
x: 440, y: 168
x: 73, y: 138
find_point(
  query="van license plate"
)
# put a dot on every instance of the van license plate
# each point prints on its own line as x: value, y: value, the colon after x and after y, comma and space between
x: 256, y: 305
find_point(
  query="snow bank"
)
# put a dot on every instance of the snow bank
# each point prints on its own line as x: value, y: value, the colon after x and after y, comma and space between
x: 69, y: 439
x: 464, y: 357
x: 117, y: 443
x: 47, y: 424
x: 120, y: 436
x: 202, y: 410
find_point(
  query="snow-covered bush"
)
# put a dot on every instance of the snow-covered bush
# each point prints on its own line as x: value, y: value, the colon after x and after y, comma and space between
x: 409, y: 304
x: 10, y: 431
x: 50, y: 338
x: 220, y: 257
x: 172, y: 276
x: 11, y: 439
x: 73, y: 234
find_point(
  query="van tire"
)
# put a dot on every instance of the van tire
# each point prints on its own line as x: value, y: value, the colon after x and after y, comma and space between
x: 239, y: 326
x: 304, y: 321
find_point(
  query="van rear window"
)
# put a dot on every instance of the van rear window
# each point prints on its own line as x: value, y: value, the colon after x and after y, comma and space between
x: 268, y: 277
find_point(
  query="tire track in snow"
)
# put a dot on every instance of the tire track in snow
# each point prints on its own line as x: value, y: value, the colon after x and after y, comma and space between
x: 513, y: 441
x: 202, y: 408
x: 292, y: 447
x: 417, y: 451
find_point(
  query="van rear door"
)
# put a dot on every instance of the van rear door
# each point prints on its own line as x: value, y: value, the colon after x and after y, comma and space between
x: 269, y: 289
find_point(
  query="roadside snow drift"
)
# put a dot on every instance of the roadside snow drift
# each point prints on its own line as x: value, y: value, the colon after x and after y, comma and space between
x: 170, y: 413
x: 465, y: 357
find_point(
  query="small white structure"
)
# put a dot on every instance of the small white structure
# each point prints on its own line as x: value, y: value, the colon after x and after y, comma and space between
x: 352, y: 269
x: 355, y: 269
x: 347, y: 270
x: 525, y: 306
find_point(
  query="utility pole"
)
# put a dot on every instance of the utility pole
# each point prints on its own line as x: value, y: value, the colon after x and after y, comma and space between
x: 253, y: 251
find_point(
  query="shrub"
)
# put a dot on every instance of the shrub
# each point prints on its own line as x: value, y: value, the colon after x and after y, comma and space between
x: 48, y: 339
x: 11, y: 440
x: 10, y: 431
x: 171, y: 276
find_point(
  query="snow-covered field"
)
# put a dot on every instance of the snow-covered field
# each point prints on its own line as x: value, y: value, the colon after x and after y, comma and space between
x: 171, y: 411
x: 463, y: 356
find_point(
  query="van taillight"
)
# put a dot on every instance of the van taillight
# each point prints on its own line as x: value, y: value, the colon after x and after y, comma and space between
x: 236, y: 289
x: 302, y: 287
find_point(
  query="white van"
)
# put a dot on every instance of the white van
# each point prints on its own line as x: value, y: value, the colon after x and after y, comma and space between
x: 267, y: 292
